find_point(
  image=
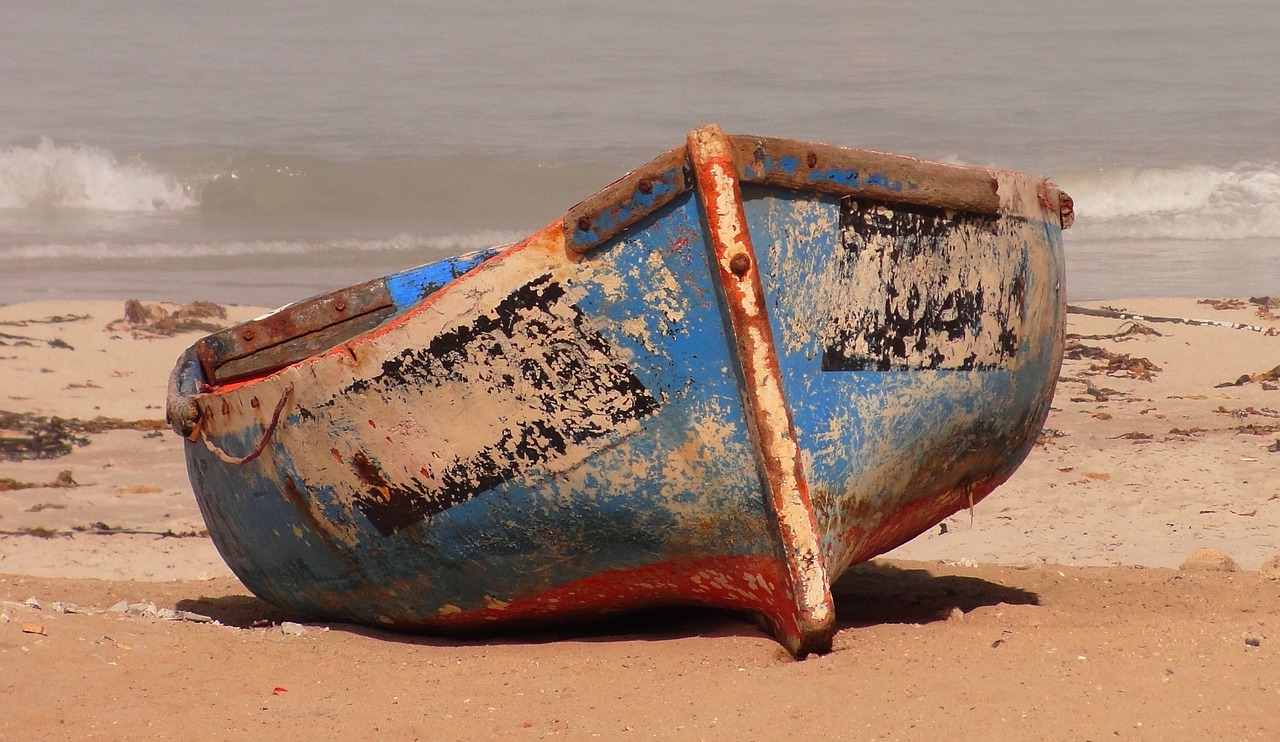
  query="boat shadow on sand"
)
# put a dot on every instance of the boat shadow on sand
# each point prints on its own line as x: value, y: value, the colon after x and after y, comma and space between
x: 867, y: 595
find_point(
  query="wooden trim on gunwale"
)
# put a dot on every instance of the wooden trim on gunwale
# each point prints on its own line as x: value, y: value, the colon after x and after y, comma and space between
x: 788, y: 163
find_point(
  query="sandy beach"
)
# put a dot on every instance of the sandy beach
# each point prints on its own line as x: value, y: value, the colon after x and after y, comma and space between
x: 1064, y: 606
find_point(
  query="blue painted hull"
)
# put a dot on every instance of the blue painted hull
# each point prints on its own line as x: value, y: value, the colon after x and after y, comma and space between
x: 586, y: 422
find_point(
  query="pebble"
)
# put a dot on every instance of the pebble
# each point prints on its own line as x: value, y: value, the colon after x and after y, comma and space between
x: 1209, y: 560
x: 142, y: 609
x: 1270, y: 569
x: 293, y: 629
x: 956, y: 614
x: 152, y: 611
x: 63, y: 607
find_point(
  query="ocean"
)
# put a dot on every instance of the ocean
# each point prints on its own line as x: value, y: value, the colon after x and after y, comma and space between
x: 261, y: 151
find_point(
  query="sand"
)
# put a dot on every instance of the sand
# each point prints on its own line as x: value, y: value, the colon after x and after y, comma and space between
x: 1055, y: 610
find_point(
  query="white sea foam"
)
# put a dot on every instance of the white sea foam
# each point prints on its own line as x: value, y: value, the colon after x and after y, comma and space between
x: 1184, y: 203
x: 84, y: 177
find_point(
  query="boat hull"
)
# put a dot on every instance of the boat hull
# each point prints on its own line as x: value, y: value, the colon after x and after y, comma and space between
x: 716, y: 383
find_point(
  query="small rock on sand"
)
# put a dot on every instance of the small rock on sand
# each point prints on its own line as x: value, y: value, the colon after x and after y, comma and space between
x: 1270, y: 569
x: 294, y: 629
x: 1209, y: 560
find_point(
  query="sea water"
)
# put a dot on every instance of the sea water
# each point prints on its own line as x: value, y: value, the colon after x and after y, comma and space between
x: 260, y: 152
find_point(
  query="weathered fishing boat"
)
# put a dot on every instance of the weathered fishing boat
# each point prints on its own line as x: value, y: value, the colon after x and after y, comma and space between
x: 722, y: 380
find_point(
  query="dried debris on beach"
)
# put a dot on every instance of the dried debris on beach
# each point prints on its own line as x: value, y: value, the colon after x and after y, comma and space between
x: 1270, y: 380
x: 1265, y: 306
x: 1110, y: 363
x: 25, y: 436
x: 153, y: 320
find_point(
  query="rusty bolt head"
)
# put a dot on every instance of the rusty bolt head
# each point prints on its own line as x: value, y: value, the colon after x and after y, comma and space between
x: 740, y: 264
x: 584, y: 224
x: 247, y: 334
x: 645, y: 186
x: 811, y: 160
x: 340, y: 306
x: 1067, y: 210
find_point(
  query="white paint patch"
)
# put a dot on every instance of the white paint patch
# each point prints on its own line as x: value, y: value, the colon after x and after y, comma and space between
x: 730, y: 230
x: 793, y: 513
x: 1020, y: 195
x: 904, y: 280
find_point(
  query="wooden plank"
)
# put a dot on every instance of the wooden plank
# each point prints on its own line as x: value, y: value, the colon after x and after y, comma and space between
x: 294, y: 332
x: 626, y: 201
x: 788, y: 163
x: 296, y: 349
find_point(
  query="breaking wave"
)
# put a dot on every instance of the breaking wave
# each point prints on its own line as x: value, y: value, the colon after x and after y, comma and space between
x: 266, y: 203
x: 1194, y: 202
x: 56, y: 188
x: 84, y: 177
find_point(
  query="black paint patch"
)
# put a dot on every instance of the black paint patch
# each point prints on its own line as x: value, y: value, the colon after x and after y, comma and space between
x: 564, y: 380
x: 930, y: 308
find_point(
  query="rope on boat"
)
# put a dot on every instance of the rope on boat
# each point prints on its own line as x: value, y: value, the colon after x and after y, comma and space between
x: 1113, y: 314
x: 262, y: 442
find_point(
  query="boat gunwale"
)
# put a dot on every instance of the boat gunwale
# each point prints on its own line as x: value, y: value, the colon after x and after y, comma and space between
x: 787, y: 163
x: 790, y: 164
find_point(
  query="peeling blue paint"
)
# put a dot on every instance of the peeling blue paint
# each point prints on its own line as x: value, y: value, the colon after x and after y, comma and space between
x: 412, y: 286
x: 639, y: 203
x: 528, y: 534
x: 842, y: 177
x: 891, y: 423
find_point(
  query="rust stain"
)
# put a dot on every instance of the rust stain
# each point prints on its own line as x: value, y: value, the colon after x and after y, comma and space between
x: 318, y: 525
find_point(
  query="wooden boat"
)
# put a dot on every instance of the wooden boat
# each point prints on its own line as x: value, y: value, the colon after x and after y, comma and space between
x: 722, y: 380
